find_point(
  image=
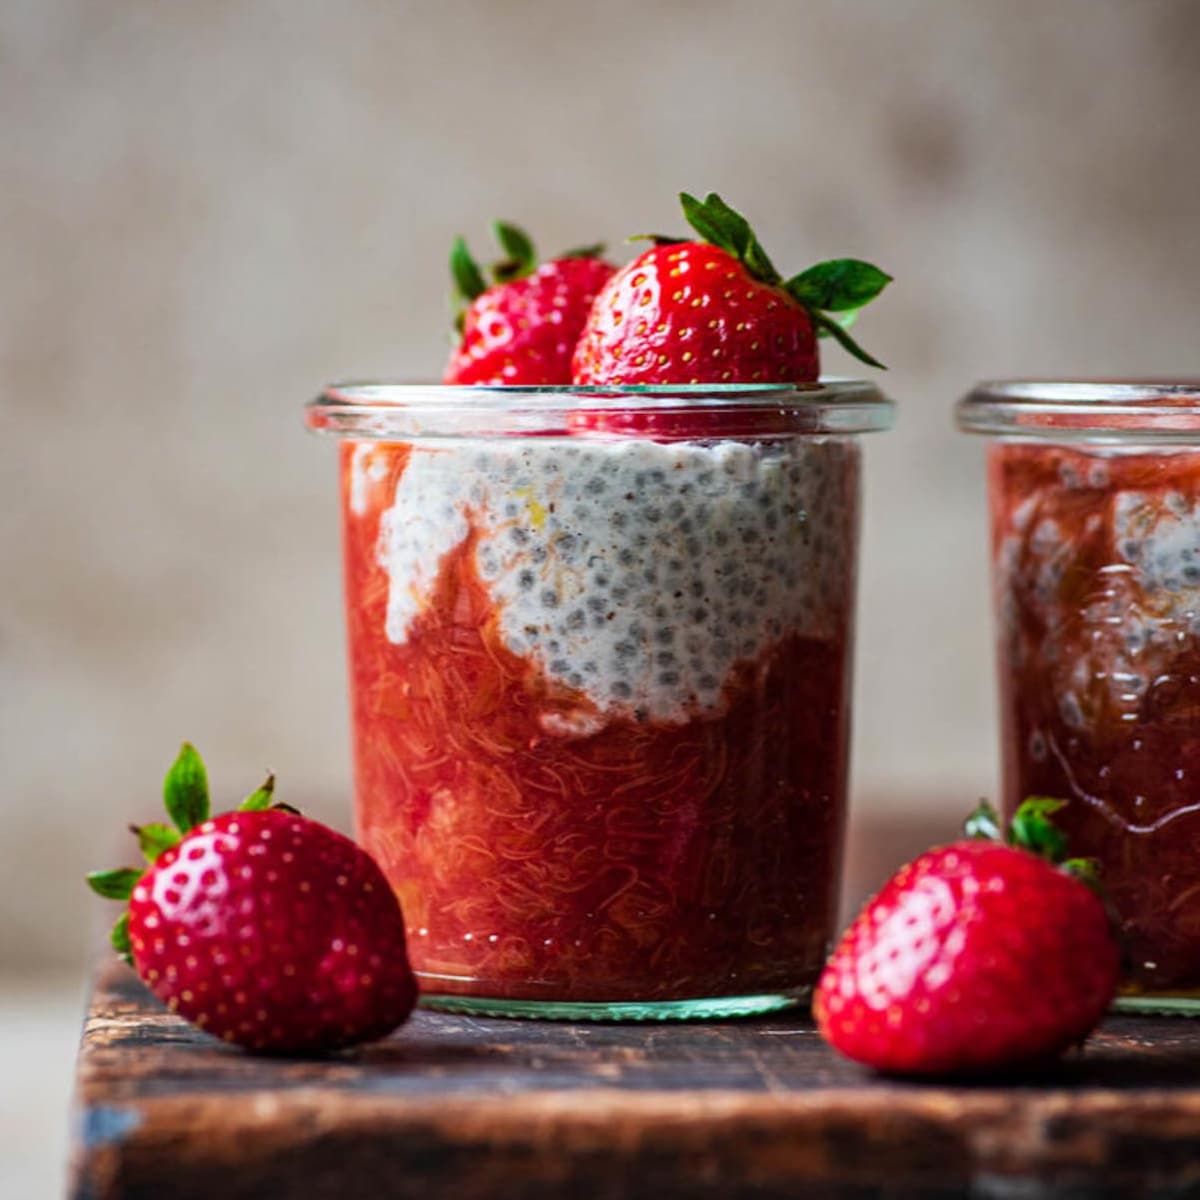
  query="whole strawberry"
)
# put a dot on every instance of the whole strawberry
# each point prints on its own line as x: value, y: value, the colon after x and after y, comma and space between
x: 523, y: 328
x: 717, y: 311
x: 259, y: 926
x: 978, y: 956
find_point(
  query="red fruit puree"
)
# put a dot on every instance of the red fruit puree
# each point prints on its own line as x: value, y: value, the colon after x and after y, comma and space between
x: 600, y: 709
x: 1097, y: 556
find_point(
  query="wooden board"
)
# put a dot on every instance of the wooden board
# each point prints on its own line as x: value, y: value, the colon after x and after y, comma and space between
x: 469, y: 1108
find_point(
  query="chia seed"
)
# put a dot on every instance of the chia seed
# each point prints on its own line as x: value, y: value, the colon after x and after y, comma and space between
x: 698, y: 524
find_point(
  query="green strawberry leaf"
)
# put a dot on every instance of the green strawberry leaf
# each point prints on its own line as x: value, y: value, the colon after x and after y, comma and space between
x: 711, y: 227
x: 753, y: 255
x: 119, y: 938
x: 154, y: 839
x: 983, y: 823
x: 727, y: 229
x: 841, y: 319
x: 464, y: 270
x: 517, y: 246
x: 261, y: 797
x: 594, y: 251
x: 829, y: 327
x: 185, y: 790
x: 1032, y: 829
x: 1087, y: 870
x: 736, y: 227
x: 117, y: 884
x: 839, y: 285
x: 1041, y: 806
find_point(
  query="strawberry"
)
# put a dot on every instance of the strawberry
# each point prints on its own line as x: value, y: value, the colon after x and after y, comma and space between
x: 977, y: 956
x: 259, y: 926
x: 717, y: 311
x: 522, y: 329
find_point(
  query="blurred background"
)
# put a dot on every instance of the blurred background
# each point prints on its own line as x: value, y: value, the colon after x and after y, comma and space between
x: 209, y: 210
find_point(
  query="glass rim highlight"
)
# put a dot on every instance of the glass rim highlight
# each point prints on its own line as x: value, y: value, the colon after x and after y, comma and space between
x: 418, y: 411
x: 1084, y: 410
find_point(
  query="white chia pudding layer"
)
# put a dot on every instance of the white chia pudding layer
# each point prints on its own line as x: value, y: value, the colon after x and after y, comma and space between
x: 637, y: 573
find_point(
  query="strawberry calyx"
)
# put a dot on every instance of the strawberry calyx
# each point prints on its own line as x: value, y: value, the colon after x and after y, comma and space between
x: 1032, y: 829
x: 831, y: 292
x: 984, y: 823
x: 186, y: 799
x: 519, y: 259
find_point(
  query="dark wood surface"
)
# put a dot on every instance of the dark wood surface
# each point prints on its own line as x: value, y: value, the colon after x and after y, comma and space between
x: 469, y: 1108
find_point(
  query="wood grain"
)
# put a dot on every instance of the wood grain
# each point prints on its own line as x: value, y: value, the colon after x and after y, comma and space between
x: 470, y: 1108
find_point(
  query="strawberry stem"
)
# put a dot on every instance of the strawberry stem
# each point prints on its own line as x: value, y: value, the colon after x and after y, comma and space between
x: 840, y: 285
x: 1033, y: 830
x: 469, y: 280
x: 1030, y: 829
x: 185, y: 795
x: 725, y: 227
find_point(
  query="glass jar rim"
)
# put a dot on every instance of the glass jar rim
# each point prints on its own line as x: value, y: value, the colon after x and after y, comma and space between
x: 415, y: 410
x: 1096, y: 410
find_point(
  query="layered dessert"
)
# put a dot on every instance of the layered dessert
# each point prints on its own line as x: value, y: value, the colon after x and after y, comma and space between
x: 599, y: 589
x: 600, y: 689
x: 1097, y: 560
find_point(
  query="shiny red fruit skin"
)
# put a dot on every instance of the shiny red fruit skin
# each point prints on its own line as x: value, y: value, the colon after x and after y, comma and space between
x: 688, y: 312
x: 524, y: 332
x: 274, y: 932
x: 975, y: 957
x: 680, y: 422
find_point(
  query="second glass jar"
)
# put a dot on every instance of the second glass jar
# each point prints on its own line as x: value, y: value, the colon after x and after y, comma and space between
x: 1095, y: 503
x: 600, y: 651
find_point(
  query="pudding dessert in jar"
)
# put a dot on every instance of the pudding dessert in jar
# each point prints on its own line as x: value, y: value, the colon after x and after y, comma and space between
x: 600, y: 595
x: 600, y: 687
x: 1095, y: 498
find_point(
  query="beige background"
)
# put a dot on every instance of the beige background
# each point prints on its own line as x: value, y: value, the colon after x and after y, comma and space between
x: 209, y: 209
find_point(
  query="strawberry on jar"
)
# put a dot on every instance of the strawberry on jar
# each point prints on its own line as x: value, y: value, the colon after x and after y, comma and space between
x: 522, y: 328
x: 715, y: 310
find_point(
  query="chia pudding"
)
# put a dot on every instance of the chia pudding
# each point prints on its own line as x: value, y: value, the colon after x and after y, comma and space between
x: 1097, y: 576
x: 600, y: 693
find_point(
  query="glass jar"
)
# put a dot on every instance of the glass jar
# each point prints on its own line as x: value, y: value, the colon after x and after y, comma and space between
x: 600, y: 649
x: 1095, y: 511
